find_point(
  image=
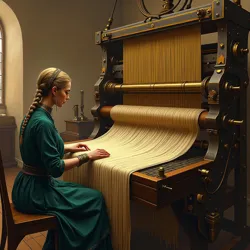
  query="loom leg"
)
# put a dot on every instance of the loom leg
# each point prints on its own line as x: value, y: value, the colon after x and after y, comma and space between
x: 197, y: 241
x: 189, y: 224
x: 241, y: 245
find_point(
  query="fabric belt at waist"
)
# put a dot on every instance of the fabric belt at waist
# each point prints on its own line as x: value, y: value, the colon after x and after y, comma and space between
x: 37, y: 171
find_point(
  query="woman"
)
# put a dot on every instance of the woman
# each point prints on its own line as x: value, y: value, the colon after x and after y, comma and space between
x: 81, y: 212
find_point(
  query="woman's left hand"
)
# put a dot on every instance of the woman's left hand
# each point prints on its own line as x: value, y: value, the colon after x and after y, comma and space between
x: 76, y: 147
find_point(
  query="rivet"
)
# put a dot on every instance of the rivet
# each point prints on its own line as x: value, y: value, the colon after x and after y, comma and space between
x: 218, y: 71
x: 152, y: 25
x: 222, y: 46
x: 217, y: 15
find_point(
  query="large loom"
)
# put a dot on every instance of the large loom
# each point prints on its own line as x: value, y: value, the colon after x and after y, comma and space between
x: 160, y: 62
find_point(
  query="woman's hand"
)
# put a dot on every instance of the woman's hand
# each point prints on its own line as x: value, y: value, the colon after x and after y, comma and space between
x: 98, y: 154
x: 75, y: 147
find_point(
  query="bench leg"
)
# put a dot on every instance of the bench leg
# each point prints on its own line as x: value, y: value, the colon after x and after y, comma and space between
x: 56, y: 239
x: 14, y: 241
x: 4, y: 233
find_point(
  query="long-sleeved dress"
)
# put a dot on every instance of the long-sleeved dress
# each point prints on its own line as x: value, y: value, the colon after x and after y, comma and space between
x: 81, y: 212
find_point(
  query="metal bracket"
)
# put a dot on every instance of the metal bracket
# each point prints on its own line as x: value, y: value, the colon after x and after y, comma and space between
x: 98, y: 37
x: 217, y: 9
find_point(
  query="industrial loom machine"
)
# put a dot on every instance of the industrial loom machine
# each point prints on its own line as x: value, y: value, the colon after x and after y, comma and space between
x: 197, y: 183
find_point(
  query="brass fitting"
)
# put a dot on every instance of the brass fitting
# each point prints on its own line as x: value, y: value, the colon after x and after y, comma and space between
x: 213, y: 220
x: 238, y: 50
x: 161, y: 172
x: 226, y: 121
x: 200, y: 198
x: 204, y: 172
x: 231, y: 88
x: 201, y: 13
x: 235, y: 122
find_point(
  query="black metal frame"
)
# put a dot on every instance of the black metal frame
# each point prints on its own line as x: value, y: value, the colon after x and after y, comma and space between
x: 206, y: 15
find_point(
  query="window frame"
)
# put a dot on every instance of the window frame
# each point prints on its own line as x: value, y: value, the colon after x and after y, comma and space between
x: 3, y: 104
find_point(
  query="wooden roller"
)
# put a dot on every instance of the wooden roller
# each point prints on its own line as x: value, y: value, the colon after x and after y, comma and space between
x: 105, y: 112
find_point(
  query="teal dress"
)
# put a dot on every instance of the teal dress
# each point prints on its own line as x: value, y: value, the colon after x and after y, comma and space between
x: 81, y: 212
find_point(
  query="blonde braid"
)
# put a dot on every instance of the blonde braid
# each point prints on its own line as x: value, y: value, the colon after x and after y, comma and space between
x: 46, y: 80
x: 36, y: 101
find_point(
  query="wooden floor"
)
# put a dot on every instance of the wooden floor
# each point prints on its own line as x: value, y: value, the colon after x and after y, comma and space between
x: 32, y: 241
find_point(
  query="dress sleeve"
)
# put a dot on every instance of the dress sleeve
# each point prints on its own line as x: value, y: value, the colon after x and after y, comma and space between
x: 47, y: 143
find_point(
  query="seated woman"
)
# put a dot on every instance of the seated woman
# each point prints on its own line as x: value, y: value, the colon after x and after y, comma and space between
x: 81, y: 212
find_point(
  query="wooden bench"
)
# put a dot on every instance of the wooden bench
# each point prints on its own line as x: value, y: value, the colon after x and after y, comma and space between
x: 17, y: 225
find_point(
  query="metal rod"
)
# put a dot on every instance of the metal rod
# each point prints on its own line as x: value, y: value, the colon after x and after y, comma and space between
x: 110, y: 21
x: 185, y: 87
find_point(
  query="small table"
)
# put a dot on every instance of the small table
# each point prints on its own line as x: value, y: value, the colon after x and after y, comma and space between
x: 77, y: 130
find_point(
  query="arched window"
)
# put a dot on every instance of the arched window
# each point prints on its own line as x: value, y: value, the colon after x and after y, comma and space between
x: 1, y: 67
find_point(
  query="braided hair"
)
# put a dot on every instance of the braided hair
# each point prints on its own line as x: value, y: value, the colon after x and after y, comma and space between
x: 47, y: 79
